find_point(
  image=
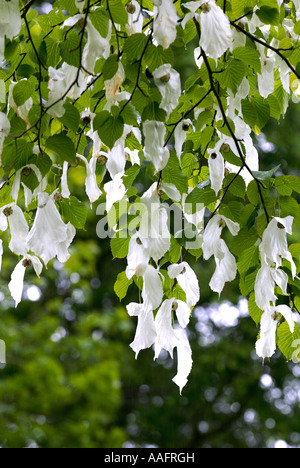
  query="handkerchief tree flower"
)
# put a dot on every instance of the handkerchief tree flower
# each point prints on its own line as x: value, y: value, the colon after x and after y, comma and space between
x: 94, y: 114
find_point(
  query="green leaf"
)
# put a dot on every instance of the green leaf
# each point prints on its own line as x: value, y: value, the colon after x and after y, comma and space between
x: 253, y: 193
x: 29, y: 179
x: 153, y: 112
x: 119, y: 245
x: 156, y: 56
x: 118, y: 11
x: 266, y: 175
x: 248, y: 259
x: 233, y: 75
x: 62, y: 147
x: 237, y: 185
x: 71, y: 117
x: 286, y: 184
x: 254, y: 311
x: 17, y: 126
x: 172, y: 174
x: 295, y: 250
x: 247, y: 283
x: 249, y: 112
x: 110, y: 67
x: 22, y: 91
x: 121, y: 285
x: 100, y: 21
x: 130, y: 175
x: 240, y: 7
x: 70, y: 49
x: 199, y: 197
x: 2, y: 92
x: 134, y: 46
x: 262, y: 109
x: 249, y: 56
x: 289, y: 343
x: 129, y: 114
x: 74, y: 211
x: 42, y: 162
x: 268, y: 15
x: 245, y: 237
x: 16, y: 153
x: 109, y: 128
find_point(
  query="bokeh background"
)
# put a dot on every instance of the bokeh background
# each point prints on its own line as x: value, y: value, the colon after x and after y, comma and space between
x: 71, y: 379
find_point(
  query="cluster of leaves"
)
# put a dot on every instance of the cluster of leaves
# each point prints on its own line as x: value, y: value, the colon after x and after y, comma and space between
x: 46, y: 42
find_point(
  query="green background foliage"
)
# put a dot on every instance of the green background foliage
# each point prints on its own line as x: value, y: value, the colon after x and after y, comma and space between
x: 72, y: 381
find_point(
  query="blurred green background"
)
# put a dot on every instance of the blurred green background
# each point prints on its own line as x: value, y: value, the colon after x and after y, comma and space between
x: 71, y: 379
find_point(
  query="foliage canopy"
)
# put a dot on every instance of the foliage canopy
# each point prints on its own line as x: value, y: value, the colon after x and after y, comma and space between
x: 94, y: 85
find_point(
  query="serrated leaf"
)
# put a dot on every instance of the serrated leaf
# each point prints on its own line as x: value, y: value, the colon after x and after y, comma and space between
x: 130, y: 175
x: 74, y: 211
x: 253, y: 193
x: 71, y: 117
x: 262, y: 109
x: 119, y: 245
x: 266, y: 175
x: 172, y: 174
x: 248, y: 259
x: 118, y: 11
x: 254, y: 311
x: 237, y: 185
x: 286, y: 184
x: 109, y: 128
x: 62, y: 147
x: 249, y: 56
x: 268, y: 15
x: 156, y: 56
x: 289, y: 343
x: 42, y: 162
x: 134, y: 46
x: 199, y: 197
x: 121, y: 285
x: 247, y: 283
x: 249, y: 112
x: 70, y: 49
x: 22, y: 91
x: 30, y: 179
x: 233, y: 75
x: 110, y: 67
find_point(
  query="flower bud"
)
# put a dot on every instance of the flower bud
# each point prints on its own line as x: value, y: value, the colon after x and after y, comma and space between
x: 58, y: 197
x: 225, y: 147
x: 86, y: 120
x: 26, y: 171
x: 214, y: 156
x: 185, y: 127
x: 276, y: 316
x: 81, y: 22
x: 280, y: 226
x: 8, y: 211
x: 174, y: 306
x: 205, y: 7
x: 27, y: 263
x: 165, y: 78
x: 101, y: 160
x: 160, y: 192
x: 130, y: 8
x: 138, y: 241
